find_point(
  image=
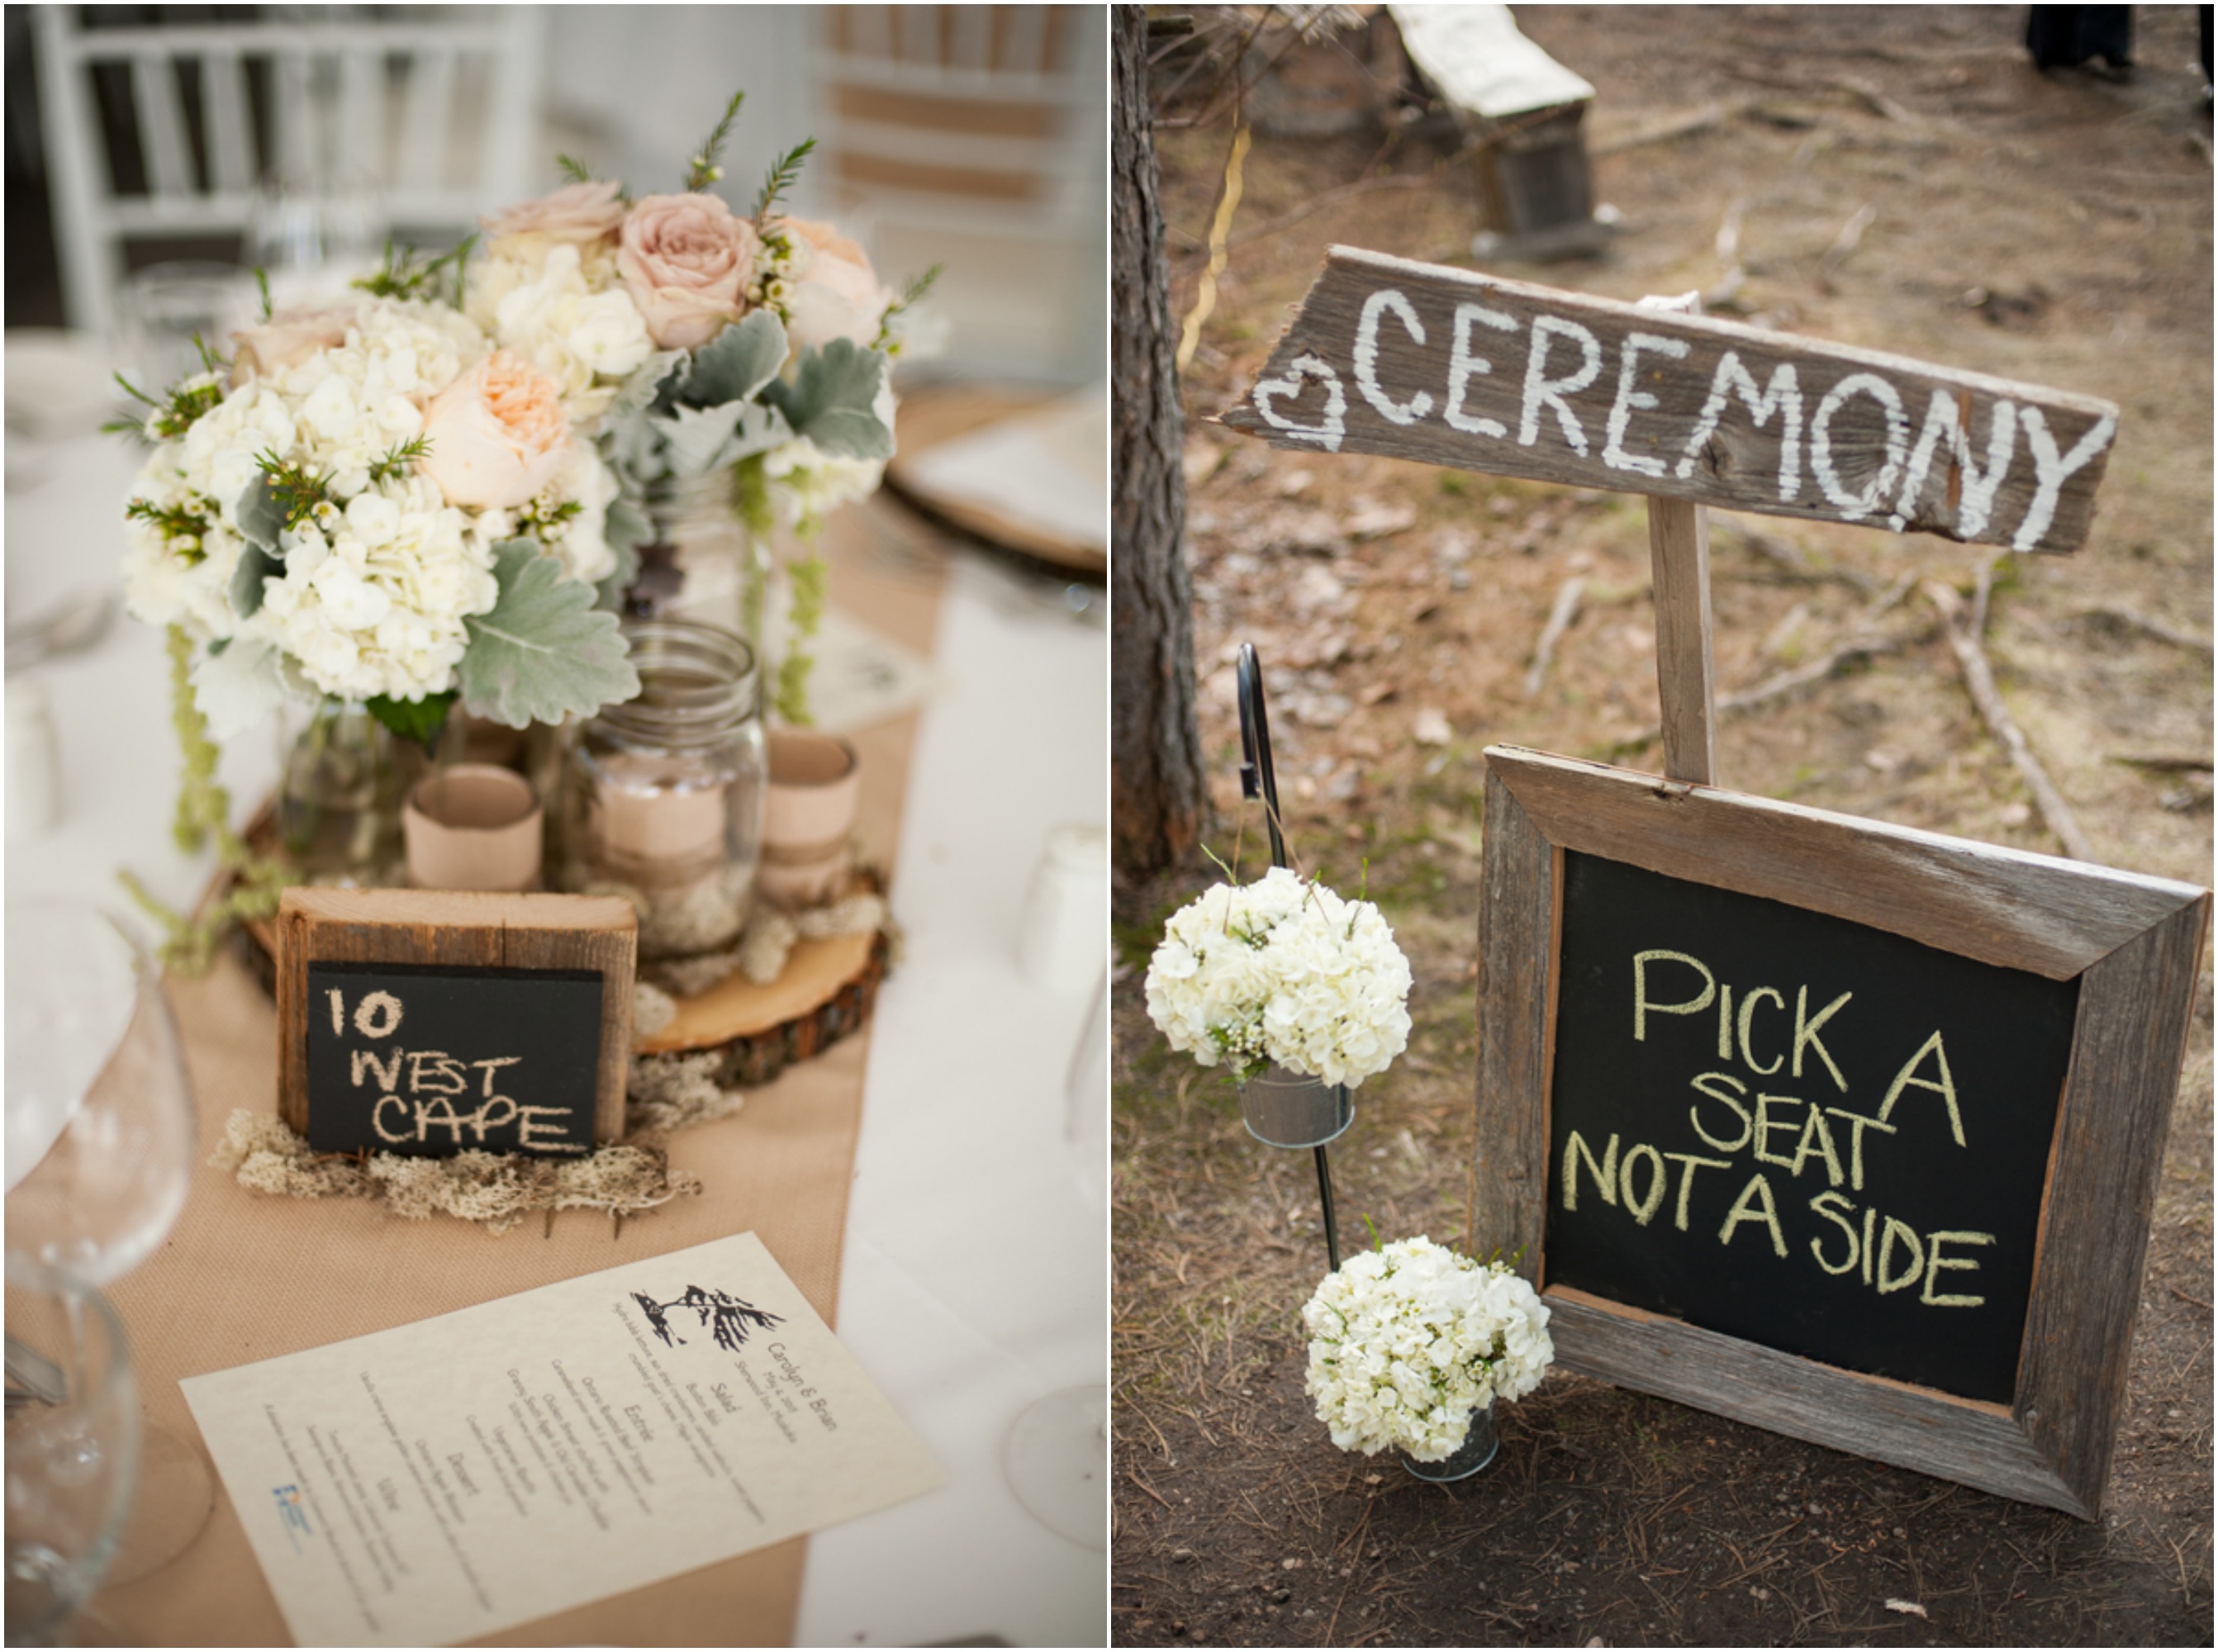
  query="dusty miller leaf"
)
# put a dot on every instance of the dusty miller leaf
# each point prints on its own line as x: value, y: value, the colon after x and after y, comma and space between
x: 832, y: 397
x: 255, y: 565
x: 736, y: 363
x: 703, y: 439
x: 544, y: 652
x: 261, y: 514
x: 238, y: 685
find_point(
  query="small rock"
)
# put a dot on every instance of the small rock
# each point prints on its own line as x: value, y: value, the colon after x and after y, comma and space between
x: 1279, y: 1597
x: 2016, y: 815
x: 1370, y: 520
x: 1182, y: 1556
x: 1290, y: 1564
x: 1431, y: 727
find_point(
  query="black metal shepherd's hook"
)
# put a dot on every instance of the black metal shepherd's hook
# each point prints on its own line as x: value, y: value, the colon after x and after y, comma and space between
x: 1259, y: 779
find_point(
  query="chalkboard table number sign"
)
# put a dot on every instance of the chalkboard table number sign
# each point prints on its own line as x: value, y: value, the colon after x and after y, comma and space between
x: 429, y: 1024
x: 1842, y: 1128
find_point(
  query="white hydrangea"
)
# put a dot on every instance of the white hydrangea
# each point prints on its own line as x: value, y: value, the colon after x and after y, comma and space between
x: 564, y: 311
x: 374, y: 590
x: 1282, y: 970
x: 1408, y: 1341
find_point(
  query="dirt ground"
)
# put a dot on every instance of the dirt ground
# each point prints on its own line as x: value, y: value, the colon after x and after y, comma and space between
x: 1895, y: 177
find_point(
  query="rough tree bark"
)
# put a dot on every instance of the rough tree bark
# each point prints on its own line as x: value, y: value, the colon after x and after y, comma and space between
x: 1158, y: 801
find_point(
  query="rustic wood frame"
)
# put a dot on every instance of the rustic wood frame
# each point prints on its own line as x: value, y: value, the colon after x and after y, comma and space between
x: 427, y: 927
x: 2134, y: 942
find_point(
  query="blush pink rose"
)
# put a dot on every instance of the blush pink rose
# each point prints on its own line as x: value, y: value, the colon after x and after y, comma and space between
x: 836, y: 295
x: 576, y: 213
x: 286, y: 339
x: 686, y: 262
x: 498, y: 435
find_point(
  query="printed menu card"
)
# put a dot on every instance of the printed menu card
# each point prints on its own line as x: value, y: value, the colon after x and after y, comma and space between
x: 472, y: 1472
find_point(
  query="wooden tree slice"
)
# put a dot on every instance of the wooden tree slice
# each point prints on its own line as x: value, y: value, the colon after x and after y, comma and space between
x: 826, y: 992
x: 736, y: 1008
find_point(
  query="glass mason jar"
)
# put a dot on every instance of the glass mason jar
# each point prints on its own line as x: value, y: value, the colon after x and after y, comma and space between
x: 342, y: 781
x: 662, y: 795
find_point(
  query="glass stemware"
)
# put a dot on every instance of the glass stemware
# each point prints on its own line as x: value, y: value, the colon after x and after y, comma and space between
x: 1056, y: 1454
x: 100, y: 1135
x: 311, y: 238
x: 73, y: 1440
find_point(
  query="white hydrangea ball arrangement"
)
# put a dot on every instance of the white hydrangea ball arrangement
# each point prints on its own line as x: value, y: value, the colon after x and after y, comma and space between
x: 1408, y: 1340
x: 1283, y: 971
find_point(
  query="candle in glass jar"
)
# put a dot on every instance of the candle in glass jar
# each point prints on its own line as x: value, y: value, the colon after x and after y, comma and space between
x: 646, y: 820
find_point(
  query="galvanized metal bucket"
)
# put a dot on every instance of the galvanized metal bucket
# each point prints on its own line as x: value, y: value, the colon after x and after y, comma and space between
x: 1477, y: 1450
x: 1292, y: 1110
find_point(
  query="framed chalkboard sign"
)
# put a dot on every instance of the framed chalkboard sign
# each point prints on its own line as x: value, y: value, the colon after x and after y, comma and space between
x: 427, y: 1023
x: 1846, y: 1130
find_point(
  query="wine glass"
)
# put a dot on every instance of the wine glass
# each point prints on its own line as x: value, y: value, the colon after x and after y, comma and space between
x: 100, y: 1132
x: 169, y: 312
x: 312, y: 236
x: 1056, y: 1454
x: 73, y: 1438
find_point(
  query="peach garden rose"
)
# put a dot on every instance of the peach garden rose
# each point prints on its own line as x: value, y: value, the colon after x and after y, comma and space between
x: 498, y: 435
x: 576, y: 213
x: 836, y: 292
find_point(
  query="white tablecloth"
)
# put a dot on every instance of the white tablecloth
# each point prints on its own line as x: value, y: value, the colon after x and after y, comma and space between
x: 975, y: 1278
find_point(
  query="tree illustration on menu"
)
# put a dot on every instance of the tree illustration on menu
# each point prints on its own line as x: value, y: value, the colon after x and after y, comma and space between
x: 725, y: 1316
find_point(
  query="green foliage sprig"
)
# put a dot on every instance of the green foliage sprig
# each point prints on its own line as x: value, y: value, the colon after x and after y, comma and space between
x: 297, y: 490
x: 407, y: 273
x: 187, y: 402
x: 780, y: 178
x: 703, y: 170
x: 575, y: 170
x: 911, y: 294
x: 184, y: 528
x: 807, y: 577
x: 204, y: 812
x: 398, y: 457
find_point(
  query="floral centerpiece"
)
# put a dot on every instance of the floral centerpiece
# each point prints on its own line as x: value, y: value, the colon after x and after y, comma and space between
x: 375, y: 511
x: 434, y: 495
x: 1282, y: 972
x: 1412, y: 1341
x: 738, y: 362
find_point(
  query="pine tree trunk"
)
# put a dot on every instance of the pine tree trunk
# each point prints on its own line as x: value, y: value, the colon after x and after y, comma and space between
x: 1159, y: 800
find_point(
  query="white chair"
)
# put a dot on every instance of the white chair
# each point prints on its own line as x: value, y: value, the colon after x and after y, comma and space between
x: 975, y: 136
x: 436, y: 112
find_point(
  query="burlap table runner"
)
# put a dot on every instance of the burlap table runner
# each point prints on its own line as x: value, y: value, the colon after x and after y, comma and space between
x: 245, y: 1277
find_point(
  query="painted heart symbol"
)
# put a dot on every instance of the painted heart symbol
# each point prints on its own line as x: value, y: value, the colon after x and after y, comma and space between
x: 1326, y: 434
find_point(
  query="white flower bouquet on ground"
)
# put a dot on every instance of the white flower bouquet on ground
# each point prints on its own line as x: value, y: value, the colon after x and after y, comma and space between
x: 1282, y: 971
x: 1408, y: 1341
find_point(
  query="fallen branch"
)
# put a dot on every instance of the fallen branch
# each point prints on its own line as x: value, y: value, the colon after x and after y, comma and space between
x: 1795, y: 562
x: 2136, y: 621
x: 1559, y: 621
x: 2167, y: 764
x: 1980, y: 681
x: 1663, y: 131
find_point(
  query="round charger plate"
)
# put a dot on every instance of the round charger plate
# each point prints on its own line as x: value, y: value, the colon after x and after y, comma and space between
x: 930, y: 417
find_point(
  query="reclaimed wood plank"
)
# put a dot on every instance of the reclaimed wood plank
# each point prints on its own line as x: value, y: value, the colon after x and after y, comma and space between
x: 2111, y: 1128
x: 1912, y: 1428
x: 2006, y: 907
x: 460, y: 930
x: 1516, y: 929
x: 1450, y: 367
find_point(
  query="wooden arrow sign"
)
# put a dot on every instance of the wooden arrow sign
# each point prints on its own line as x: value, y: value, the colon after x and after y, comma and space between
x: 1453, y: 368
